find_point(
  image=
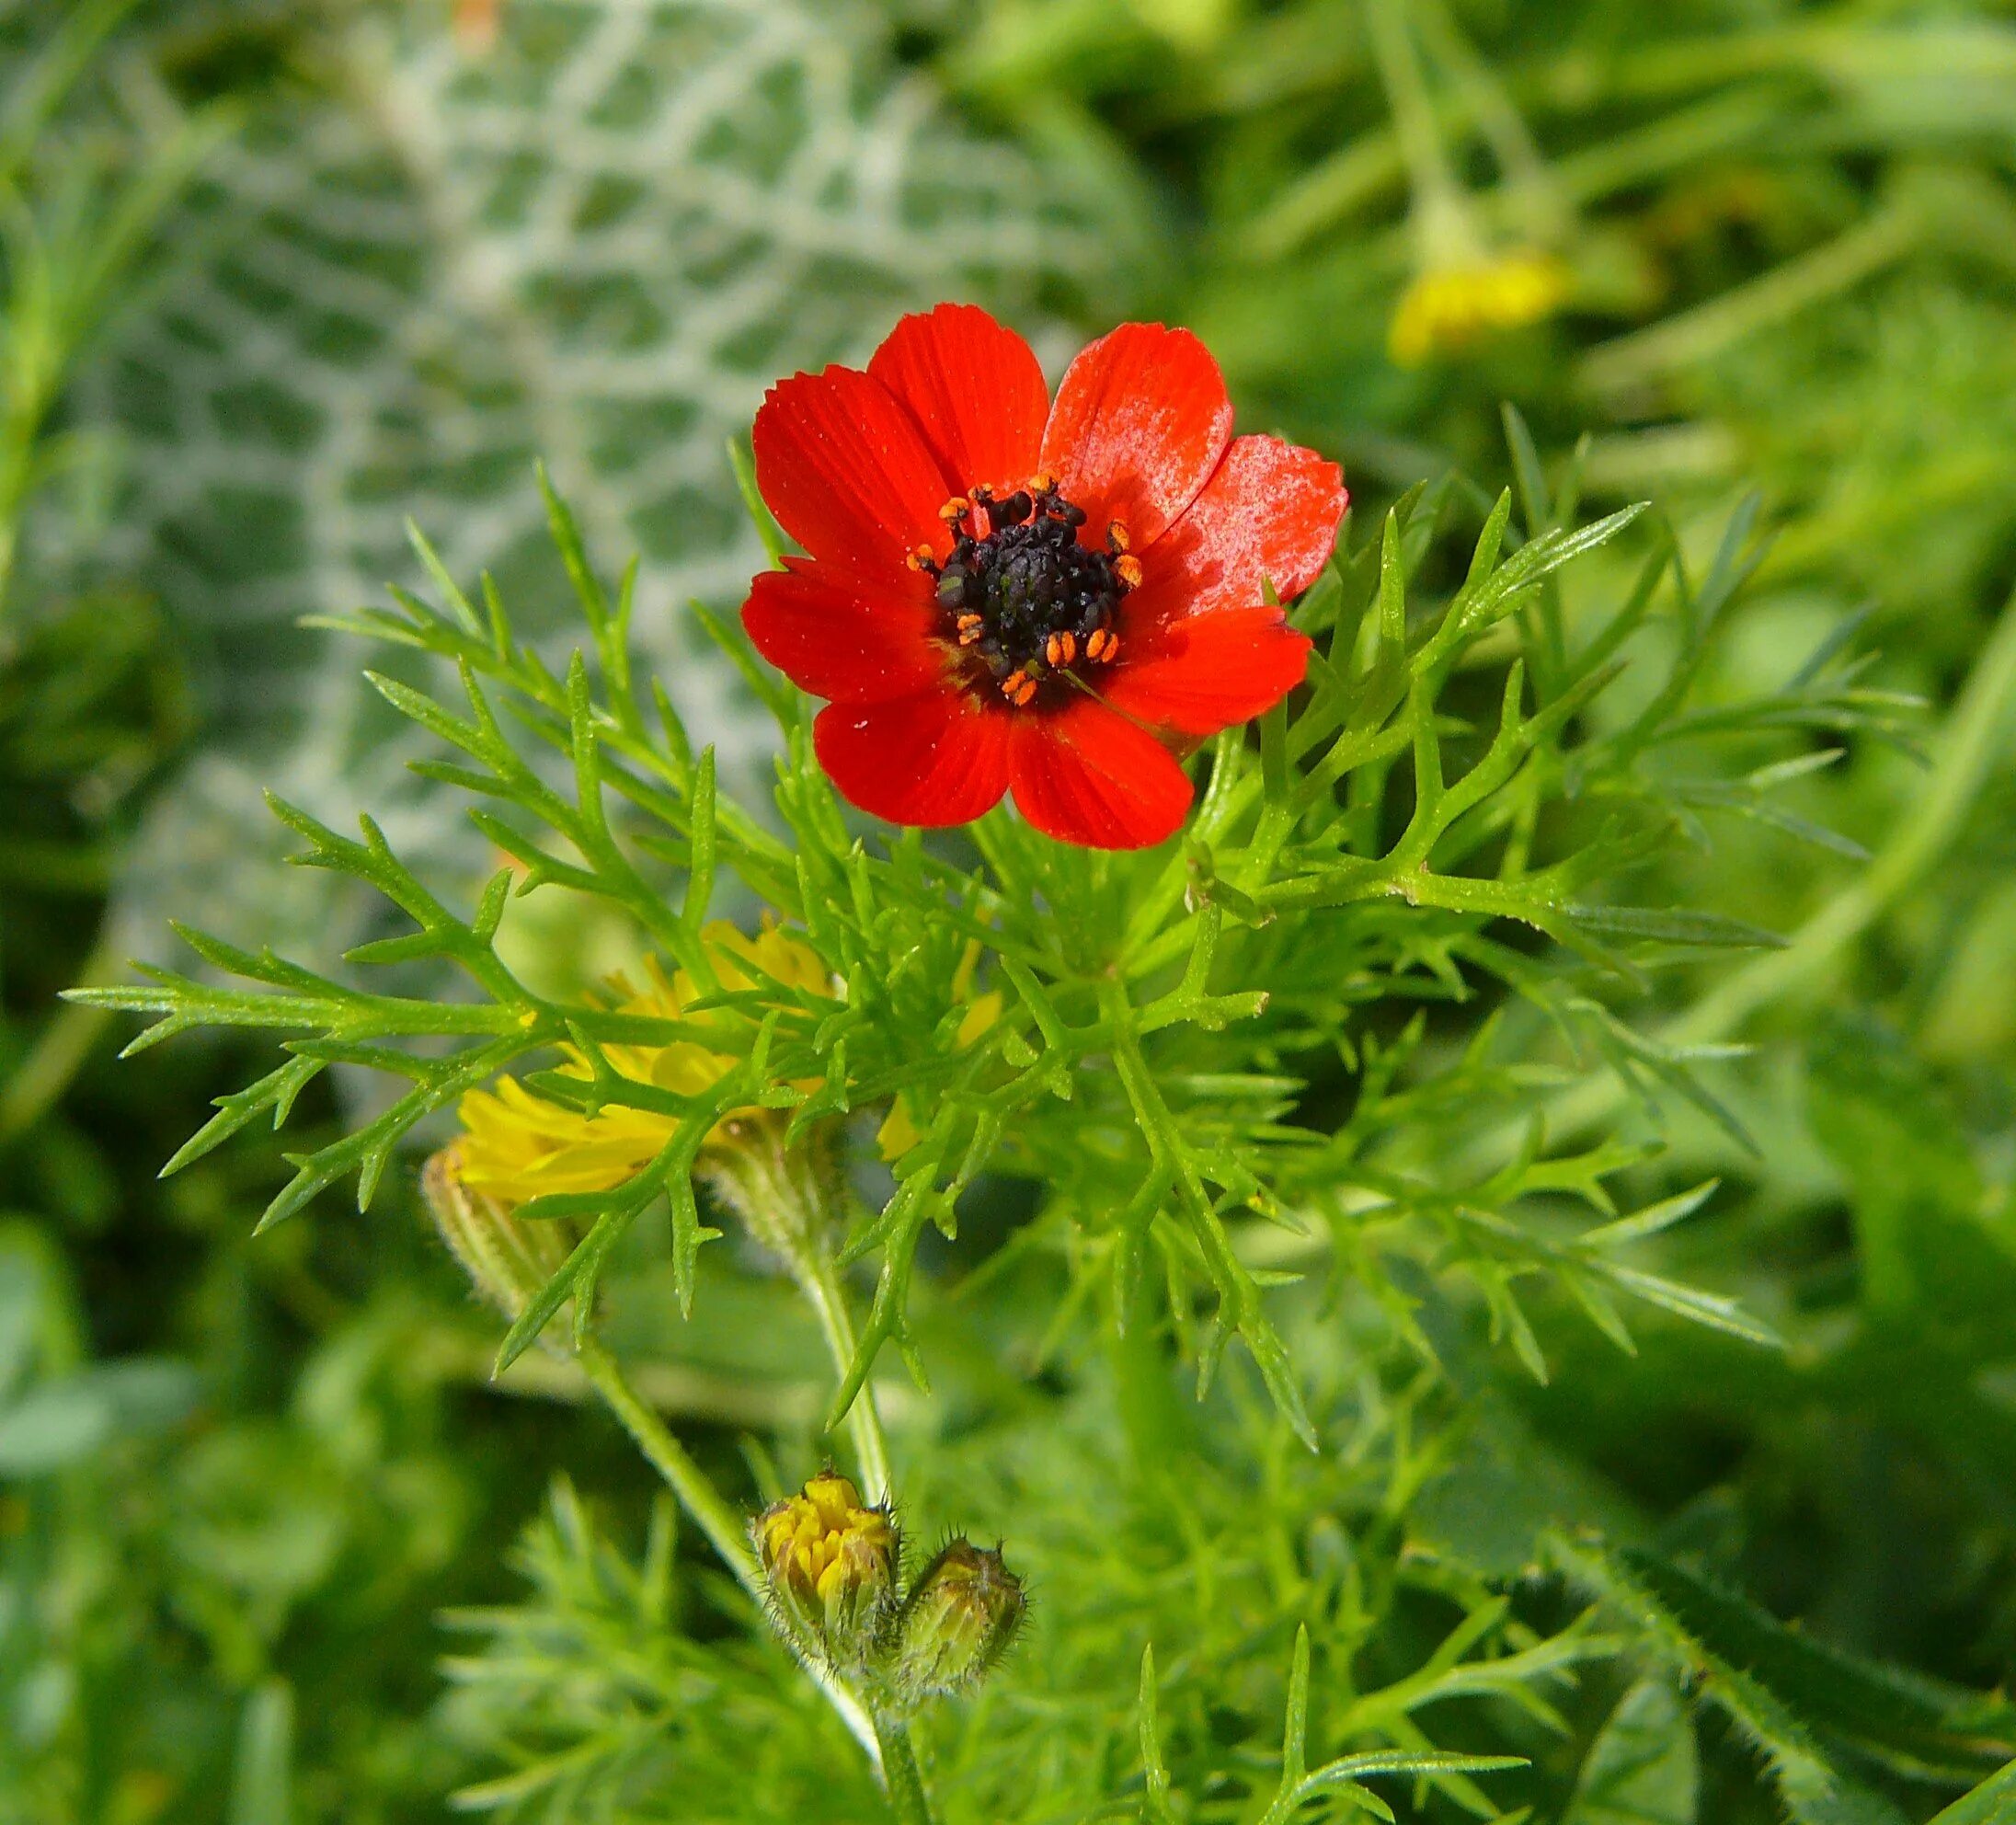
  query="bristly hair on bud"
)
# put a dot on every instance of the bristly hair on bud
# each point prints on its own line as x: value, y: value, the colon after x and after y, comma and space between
x: 508, y: 1261
x: 830, y: 1560
x: 960, y: 1617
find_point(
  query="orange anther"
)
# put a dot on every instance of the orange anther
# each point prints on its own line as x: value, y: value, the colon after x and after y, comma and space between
x: 1128, y: 570
x: 1061, y: 648
x: 1043, y: 483
x: 1022, y: 693
x: 957, y: 508
x: 919, y: 557
x: 1116, y: 538
x: 1103, y: 644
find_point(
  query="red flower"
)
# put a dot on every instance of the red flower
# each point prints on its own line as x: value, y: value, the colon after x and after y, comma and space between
x: 1007, y: 595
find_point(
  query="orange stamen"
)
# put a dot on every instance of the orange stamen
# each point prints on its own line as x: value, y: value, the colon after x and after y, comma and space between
x: 1061, y: 648
x: 957, y: 508
x: 1116, y: 538
x: 1023, y: 694
x: 1128, y: 570
x: 1042, y: 484
x: 1103, y: 645
x: 919, y: 557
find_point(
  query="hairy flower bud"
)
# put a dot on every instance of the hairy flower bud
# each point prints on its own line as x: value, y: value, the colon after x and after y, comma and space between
x: 830, y: 1560
x: 507, y: 1261
x: 959, y: 1619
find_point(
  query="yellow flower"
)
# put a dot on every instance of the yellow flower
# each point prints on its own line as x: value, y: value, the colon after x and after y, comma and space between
x: 518, y: 1146
x: 1449, y: 308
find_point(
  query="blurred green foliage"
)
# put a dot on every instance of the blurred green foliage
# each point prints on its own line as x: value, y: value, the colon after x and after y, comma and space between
x: 239, y: 1480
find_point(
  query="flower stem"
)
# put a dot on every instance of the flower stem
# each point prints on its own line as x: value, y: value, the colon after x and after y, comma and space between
x: 727, y: 1529
x: 709, y: 1509
x: 821, y: 1284
x: 788, y: 1196
x: 906, y: 1786
x: 1442, y: 225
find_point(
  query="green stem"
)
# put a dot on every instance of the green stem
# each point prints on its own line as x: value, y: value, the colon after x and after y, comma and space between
x: 820, y: 1281
x: 1526, y: 177
x: 1443, y: 228
x: 727, y: 1529
x: 59, y: 1052
x: 908, y: 1801
x: 785, y: 1196
x: 1151, y: 1415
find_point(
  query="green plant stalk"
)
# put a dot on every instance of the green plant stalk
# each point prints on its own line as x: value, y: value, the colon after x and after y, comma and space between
x: 1527, y: 179
x: 711, y: 1512
x: 908, y: 1801
x: 727, y: 1530
x: 58, y: 1053
x: 1442, y: 225
x: 783, y: 1193
x: 784, y: 1197
x: 819, y: 1280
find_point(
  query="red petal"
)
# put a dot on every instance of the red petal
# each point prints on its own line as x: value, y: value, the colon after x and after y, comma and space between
x: 1200, y: 675
x: 1270, y: 511
x: 1139, y: 423
x: 847, y: 472
x: 1083, y: 775
x: 938, y: 758
x: 974, y: 388
x: 836, y: 636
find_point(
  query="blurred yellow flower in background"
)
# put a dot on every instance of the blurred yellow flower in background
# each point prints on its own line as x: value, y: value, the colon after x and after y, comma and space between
x: 1448, y: 309
x: 518, y: 1146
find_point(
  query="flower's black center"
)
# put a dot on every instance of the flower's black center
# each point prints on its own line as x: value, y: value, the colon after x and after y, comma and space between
x: 1027, y: 601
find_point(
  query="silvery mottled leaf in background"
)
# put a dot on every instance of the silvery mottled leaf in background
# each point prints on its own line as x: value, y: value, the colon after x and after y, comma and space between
x: 594, y: 238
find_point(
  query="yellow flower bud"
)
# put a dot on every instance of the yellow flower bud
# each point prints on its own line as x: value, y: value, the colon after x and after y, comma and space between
x: 829, y: 1560
x: 960, y: 1617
